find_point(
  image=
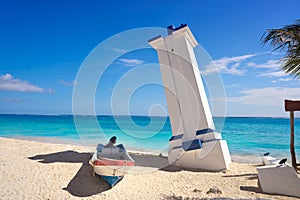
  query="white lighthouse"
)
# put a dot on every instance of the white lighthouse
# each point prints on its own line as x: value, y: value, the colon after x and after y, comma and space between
x: 194, y: 143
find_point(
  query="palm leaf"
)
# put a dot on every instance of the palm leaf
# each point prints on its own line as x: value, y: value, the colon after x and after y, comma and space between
x: 286, y: 39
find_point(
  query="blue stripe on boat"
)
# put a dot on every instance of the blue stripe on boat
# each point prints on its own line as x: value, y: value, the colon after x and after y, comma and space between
x: 112, y: 180
x: 121, y: 147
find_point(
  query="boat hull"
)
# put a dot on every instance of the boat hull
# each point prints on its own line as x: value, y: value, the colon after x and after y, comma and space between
x: 112, y: 180
x: 109, y: 167
x: 111, y: 170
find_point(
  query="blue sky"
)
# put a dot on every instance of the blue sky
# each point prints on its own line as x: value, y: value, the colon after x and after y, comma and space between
x: 43, y: 44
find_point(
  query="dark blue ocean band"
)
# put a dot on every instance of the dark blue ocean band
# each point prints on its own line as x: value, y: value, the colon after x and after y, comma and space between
x: 192, y: 145
x: 199, y: 132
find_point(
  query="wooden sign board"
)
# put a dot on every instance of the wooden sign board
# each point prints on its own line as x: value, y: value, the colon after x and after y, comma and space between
x: 292, y: 105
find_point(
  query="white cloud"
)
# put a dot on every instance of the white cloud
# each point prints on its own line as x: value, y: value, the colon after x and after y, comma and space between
x: 269, y: 96
x: 232, y: 86
x: 274, y: 74
x: 227, y: 65
x: 272, y: 67
x: 285, y: 79
x: 251, y: 64
x: 68, y: 84
x: 270, y: 64
x: 9, y: 83
x: 131, y: 62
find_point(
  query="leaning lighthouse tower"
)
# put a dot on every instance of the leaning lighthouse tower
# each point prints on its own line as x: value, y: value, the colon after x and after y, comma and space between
x: 195, y: 143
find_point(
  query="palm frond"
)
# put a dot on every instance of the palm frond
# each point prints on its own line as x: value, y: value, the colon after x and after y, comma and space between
x: 286, y: 39
x: 292, y: 66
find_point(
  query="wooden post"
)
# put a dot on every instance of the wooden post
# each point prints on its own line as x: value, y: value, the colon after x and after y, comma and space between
x: 292, y: 146
x: 291, y: 106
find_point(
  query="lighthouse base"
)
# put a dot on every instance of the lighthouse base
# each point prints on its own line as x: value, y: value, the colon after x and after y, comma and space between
x: 213, y: 155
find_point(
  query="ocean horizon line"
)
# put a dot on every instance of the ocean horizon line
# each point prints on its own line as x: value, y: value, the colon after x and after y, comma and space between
x: 137, y: 115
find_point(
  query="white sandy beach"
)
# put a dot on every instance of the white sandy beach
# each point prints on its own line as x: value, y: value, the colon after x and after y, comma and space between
x: 35, y: 170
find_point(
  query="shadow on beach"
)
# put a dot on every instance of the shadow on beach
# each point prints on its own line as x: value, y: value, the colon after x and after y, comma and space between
x: 153, y: 161
x: 144, y: 160
x: 159, y: 163
x: 251, y: 189
x: 250, y: 176
x: 83, y: 184
x: 205, y: 198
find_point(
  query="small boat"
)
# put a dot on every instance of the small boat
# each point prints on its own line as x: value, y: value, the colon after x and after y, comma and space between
x: 269, y: 160
x: 111, y: 163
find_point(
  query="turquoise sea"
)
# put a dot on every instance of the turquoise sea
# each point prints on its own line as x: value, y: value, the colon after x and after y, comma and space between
x: 247, y: 137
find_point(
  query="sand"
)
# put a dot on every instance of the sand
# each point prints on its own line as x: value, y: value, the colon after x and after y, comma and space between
x: 35, y: 170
